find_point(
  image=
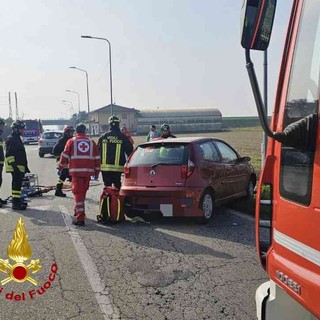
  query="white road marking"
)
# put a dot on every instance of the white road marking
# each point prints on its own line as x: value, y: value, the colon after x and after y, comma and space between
x: 101, y: 292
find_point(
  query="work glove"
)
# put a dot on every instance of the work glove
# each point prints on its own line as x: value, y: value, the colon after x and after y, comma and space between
x: 59, y: 172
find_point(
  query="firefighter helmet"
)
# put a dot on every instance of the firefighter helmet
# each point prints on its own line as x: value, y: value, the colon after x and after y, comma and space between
x: 81, y: 128
x: 165, y: 127
x: 2, y: 122
x: 18, y: 124
x: 68, y: 130
x: 114, y: 121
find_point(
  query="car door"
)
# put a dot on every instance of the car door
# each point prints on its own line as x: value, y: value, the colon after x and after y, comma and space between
x: 236, y: 177
x: 211, y: 169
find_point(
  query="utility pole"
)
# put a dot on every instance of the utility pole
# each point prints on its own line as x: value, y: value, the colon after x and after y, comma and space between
x: 17, y: 109
x: 10, y: 107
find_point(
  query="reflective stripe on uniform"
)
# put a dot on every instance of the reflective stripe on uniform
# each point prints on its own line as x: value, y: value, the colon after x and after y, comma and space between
x: 111, y: 167
x: 81, y: 170
x: 104, y: 152
x: 10, y: 159
x: 20, y: 167
x: 16, y: 194
x: 117, y: 156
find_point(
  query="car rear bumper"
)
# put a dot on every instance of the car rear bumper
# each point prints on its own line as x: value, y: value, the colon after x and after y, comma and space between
x: 45, y: 150
x: 171, y: 202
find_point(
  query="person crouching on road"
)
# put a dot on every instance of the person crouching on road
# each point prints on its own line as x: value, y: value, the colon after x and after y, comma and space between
x: 2, y: 124
x: 16, y: 163
x: 82, y: 157
x: 114, y: 149
x: 57, y: 150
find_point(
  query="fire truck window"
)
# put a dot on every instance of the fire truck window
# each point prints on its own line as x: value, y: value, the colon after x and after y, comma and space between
x: 302, y: 100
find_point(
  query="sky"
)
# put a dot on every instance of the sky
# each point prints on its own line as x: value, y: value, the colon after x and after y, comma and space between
x: 165, y: 54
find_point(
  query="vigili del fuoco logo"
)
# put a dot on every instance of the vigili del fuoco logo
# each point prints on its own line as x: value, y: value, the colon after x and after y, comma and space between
x: 20, y: 251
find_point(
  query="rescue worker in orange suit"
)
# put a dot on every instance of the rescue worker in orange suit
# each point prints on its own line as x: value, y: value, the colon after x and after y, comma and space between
x: 82, y: 157
x: 2, y: 125
x: 127, y: 133
x: 57, y: 150
x: 16, y: 163
x: 114, y: 148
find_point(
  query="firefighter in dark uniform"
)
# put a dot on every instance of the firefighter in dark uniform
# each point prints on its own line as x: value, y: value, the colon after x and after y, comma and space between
x: 114, y: 148
x: 16, y: 163
x: 165, y: 132
x: 2, y: 124
x: 57, y: 150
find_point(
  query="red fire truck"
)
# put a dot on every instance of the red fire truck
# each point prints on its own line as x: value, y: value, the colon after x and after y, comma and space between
x: 32, y: 131
x: 288, y: 237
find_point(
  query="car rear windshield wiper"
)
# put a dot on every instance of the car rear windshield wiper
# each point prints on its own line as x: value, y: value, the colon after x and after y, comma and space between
x: 161, y: 164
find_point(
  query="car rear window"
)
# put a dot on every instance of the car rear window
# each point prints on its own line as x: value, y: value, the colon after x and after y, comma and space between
x: 166, y: 154
x: 52, y: 135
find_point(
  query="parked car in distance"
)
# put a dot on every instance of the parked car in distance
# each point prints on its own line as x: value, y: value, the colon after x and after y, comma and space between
x: 47, y: 141
x: 185, y: 177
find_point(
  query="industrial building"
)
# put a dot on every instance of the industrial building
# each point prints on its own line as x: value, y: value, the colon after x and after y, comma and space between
x: 139, y: 121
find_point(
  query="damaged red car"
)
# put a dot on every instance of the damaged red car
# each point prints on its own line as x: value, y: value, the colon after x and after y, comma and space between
x: 185, y: 177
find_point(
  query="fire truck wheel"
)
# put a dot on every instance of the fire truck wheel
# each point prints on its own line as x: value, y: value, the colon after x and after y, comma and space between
x: 207, y: 206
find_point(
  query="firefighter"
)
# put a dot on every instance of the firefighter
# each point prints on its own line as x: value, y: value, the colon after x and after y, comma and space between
x: 165, y: 132
x: 57, y: 150
x: 16, y: 163
x: 2, y: 125
x: 114, y: 148
x: 82, y: 157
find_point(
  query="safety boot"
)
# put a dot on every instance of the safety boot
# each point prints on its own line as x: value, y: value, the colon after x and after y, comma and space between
x: 59, y: 193
x: 18, y: 205
x: 3, y: 201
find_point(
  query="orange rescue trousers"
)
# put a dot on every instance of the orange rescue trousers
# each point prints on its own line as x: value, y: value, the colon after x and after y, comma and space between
x: 80, y: 185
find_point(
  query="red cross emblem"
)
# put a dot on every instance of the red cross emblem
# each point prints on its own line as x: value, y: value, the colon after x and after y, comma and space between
x: 83, y: 146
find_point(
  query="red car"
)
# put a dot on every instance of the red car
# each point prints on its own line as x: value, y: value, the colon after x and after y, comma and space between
x: 185, y: 177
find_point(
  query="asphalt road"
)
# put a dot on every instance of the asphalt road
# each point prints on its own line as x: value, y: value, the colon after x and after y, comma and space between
x: 156, y: 269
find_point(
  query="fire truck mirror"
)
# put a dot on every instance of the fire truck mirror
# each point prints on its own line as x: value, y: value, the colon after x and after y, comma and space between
x: 256, y: 23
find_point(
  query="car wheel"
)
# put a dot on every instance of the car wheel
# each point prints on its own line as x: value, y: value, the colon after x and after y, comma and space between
x: 41, y: 155
x: 250, y: 189
x: 207, y: 206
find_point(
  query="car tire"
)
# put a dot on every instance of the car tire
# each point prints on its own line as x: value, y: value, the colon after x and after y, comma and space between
x: 207, y: 206
x: 41, y: 155
x: 250, y: 189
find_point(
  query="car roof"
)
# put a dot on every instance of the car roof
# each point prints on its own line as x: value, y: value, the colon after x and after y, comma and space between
x: 180, y: 140
x: 52, y: 131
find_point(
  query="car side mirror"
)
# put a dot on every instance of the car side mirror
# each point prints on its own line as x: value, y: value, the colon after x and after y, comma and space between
x: 243, y: 159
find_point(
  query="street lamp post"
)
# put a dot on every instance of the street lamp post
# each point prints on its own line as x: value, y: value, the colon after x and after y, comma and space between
x: 87, y: 96
x: 70, y: 104
x: 111, y: 96
x: 78, y: 98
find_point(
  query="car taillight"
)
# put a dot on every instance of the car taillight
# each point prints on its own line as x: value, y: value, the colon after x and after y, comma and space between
x: 187, y: 170
x: 126, y: 172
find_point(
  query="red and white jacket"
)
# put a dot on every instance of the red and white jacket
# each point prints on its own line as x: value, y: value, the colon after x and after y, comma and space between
x: 81, y: 156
